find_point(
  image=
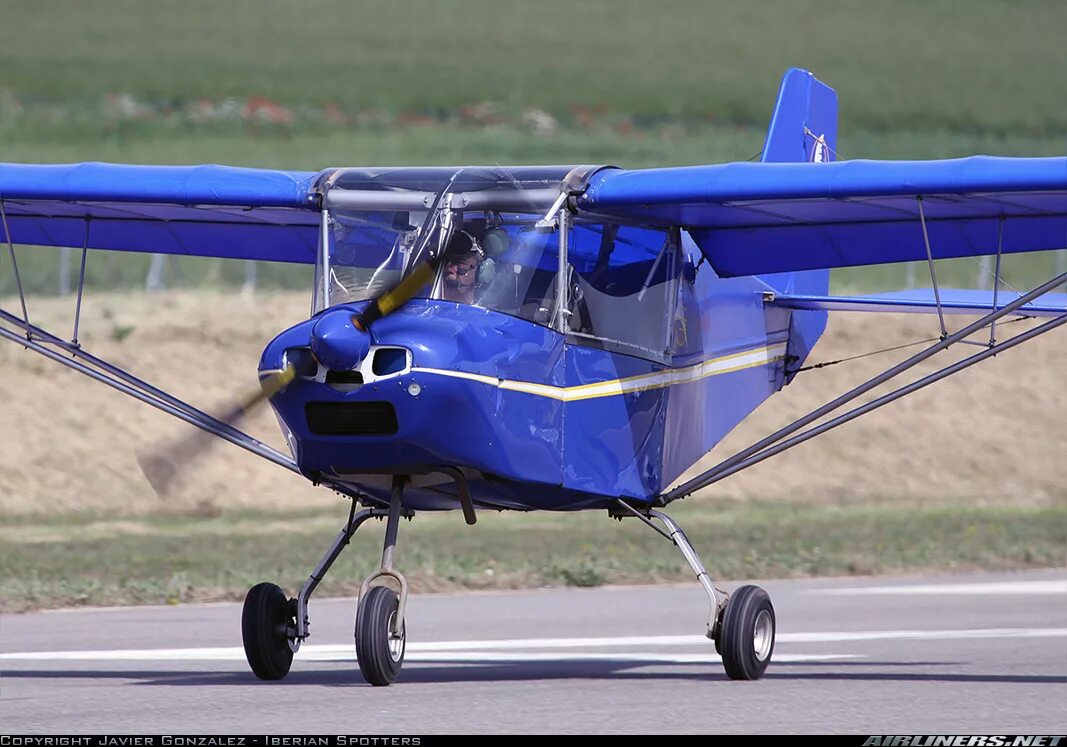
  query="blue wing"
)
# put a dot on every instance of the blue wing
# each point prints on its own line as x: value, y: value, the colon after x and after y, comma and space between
x: 209, y: 211
x: 758, y: 218
x: 748, y: 218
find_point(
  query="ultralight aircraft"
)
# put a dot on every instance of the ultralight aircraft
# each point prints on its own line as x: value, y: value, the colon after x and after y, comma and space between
x: 548, y: 337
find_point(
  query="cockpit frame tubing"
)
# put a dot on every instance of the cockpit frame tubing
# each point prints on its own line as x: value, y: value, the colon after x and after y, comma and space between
x: 324, y: 247
x: 563, y: 224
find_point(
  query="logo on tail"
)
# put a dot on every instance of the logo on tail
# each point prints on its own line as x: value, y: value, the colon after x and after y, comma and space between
x: 820, y: 151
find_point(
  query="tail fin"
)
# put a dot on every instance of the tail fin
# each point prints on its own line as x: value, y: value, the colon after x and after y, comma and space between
x: 804, y: 125
x: 803, y: 128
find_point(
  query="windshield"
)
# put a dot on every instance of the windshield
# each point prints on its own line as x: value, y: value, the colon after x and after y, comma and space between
x: 503, y: 262
x: 485, y: 233
x: 497, y: 261
x: 370, y: 251
x: 383, y: 223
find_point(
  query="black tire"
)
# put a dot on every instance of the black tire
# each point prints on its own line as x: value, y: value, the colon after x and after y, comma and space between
x: 263, y: 622
x: 379, y: 661
x: 748, y: 615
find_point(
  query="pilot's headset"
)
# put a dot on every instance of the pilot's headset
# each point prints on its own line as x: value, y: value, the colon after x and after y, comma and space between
x: 494, y: 244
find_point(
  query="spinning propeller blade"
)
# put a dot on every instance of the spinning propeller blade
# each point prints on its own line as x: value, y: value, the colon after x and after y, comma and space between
x: 398, y: 295
x: 163, y: 466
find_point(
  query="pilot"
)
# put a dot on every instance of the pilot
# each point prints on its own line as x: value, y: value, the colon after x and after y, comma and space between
x: 460, y: 272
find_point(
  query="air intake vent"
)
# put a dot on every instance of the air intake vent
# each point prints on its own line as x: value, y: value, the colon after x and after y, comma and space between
x: 303, y: 361
x: 344, y: 381
x: 344, y: 377
x: 389, y: 361
x: 351, y: 418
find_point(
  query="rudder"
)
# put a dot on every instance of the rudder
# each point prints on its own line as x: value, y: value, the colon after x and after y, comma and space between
x: 803, y: 129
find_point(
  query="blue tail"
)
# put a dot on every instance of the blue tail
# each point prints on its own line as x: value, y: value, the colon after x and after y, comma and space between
x: 803, y: 129
x: 804, y: 124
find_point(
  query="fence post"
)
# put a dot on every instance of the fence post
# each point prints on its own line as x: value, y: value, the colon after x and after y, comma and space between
x: 64, y: 270
x: 154, y: 281
x: 984, y: 272
x: 251, y: 270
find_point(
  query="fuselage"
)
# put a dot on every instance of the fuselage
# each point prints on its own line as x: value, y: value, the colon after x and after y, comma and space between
x: 535, y: 418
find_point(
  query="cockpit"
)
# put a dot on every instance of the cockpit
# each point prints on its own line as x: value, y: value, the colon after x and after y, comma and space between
x: 497, y: 239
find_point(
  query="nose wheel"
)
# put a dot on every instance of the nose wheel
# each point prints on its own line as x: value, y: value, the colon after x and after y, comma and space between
x: 273, y: 627
x: 380, y: 636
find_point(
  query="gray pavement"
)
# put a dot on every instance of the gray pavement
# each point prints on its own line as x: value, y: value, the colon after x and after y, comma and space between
x: 974, y: 653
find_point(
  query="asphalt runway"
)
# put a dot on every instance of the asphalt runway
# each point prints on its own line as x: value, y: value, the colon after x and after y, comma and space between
x: 974, y: 653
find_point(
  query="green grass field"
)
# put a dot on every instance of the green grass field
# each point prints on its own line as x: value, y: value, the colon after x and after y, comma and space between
x: 179, y: 559
x: 980, y: 65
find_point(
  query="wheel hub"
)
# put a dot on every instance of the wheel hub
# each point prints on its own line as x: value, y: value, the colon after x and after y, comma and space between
x: 763, y: 635
x: 396, y: 641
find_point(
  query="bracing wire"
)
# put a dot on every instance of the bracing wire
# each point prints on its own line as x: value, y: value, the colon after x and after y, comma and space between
x: 826, y: 364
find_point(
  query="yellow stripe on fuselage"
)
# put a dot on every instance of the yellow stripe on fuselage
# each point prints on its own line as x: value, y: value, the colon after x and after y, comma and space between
x: 761, y: 356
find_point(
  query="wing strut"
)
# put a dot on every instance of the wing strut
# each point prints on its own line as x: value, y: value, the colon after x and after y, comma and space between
x: 930, y: 262
x: 774, y: 443
x: 40, y: 341
x: 996, y: 281
x: 14, y: 263
x: 81, y: 284
x: 36, y: 339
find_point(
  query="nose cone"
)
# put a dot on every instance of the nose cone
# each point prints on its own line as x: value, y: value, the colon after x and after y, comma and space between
x: 337, y: 343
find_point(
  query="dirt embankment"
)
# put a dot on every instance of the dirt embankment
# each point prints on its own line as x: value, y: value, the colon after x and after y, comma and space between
x: 994, y: 433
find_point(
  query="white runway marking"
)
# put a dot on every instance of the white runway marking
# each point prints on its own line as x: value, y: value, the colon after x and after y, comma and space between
x: 552, y: 649
x: 644, y: 658
x: 1006, y: 587
x: 922, y: 635
x: 346, y: 652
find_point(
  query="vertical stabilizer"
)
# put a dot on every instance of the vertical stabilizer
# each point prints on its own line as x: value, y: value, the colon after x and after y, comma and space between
x: 803, y: 129
x: 804, y: 124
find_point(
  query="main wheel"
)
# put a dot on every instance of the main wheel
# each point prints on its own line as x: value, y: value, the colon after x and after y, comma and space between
x: 380, y: 653
x: 746, y: 640
x: 264, y: 622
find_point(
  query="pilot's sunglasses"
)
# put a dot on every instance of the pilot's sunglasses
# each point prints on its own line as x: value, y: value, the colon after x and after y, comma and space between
x: 462, y: 270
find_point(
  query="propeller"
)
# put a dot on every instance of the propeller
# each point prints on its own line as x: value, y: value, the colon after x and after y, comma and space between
x: 339, y: 340
x: 162, y: 467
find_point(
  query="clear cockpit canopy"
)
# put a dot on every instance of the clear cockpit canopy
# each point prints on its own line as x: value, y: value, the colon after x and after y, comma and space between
x: 384, y: 221
x: 485, y: 231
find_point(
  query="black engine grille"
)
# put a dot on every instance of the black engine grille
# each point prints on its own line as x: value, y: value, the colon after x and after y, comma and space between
x: 351, y: 418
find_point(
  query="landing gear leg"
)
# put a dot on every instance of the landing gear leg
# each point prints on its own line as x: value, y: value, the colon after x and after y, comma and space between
x: 742, y: 624
x: 273, y: 627
x: 380, y: 632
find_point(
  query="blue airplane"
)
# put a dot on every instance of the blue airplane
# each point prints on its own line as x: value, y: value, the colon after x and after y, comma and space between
x: 547, y: 337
